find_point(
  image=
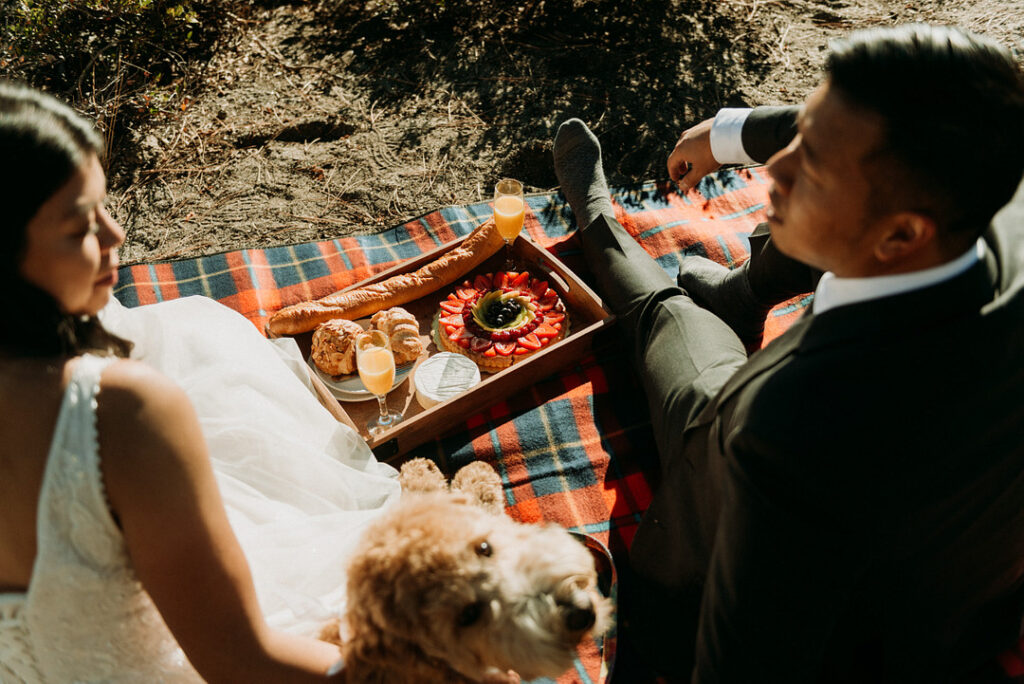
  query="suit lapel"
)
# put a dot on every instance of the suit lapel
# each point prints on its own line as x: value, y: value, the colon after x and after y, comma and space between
x: 761, y: 361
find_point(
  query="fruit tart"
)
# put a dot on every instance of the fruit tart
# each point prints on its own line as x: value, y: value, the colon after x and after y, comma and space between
x: 500, y: 318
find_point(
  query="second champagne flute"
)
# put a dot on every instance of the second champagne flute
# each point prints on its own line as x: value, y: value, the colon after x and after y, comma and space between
x: 509, y: 212
x: 376, y: 365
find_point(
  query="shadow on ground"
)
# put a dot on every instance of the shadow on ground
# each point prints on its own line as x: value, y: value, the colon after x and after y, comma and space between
x: 638, y: 73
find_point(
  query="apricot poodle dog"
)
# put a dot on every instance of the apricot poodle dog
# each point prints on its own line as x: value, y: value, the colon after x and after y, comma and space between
x: 446, y: 588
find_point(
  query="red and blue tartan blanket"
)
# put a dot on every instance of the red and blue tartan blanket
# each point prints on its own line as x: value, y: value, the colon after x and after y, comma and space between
x: 575, y: 448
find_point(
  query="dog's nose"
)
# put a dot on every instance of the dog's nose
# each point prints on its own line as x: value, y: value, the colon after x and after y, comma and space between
x: 580, y: 618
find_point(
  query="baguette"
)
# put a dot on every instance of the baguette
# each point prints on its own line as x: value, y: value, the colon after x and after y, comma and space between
x: 395, y: 291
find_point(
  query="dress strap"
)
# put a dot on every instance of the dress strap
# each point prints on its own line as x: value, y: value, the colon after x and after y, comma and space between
x: 73, y: 472
x: 75, y: 432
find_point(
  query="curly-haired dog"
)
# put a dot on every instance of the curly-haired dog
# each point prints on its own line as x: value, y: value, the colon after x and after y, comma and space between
x: 443, y: 590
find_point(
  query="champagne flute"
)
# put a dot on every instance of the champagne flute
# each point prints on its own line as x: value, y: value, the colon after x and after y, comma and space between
x: 509, y: 212
x: 376, y: 365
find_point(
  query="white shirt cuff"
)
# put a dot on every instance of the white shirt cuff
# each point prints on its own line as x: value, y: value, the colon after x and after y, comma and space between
x: 727, y: 137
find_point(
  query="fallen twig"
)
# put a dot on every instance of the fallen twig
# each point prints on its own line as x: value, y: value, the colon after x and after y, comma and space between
x: 182, y: 169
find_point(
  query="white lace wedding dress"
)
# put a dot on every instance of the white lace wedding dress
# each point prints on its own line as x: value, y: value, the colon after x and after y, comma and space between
x: 298, y: 486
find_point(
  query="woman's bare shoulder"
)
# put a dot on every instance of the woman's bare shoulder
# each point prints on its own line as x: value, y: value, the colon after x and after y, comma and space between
x: 145, y: 421
x: 132, y: 378
x: 139, y: 393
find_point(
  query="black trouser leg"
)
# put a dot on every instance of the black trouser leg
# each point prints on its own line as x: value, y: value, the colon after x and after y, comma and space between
x: 682, y: 352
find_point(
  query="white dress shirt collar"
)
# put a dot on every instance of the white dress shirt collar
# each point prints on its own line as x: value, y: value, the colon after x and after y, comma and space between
x: 834, y: 291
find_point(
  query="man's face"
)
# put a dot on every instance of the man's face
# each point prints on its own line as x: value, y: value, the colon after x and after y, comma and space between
x: 820, y: 195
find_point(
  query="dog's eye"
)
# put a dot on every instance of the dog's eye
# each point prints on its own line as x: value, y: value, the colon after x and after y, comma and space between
x: 483, y: 549
x: 471, y: 614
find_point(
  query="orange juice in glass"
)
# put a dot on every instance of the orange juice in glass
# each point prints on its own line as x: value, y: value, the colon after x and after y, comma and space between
x: 376, y: 366
x: 509, y: 212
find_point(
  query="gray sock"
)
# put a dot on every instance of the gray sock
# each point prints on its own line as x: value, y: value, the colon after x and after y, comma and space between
x: 726, y: 293
x: 578, y: 167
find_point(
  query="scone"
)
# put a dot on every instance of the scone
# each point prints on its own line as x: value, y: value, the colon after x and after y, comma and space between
x: 401, y: 326
x: 334, y: 346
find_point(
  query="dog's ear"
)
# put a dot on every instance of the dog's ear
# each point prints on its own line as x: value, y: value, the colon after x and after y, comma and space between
x: 387, y: 575
x: 385, y: 592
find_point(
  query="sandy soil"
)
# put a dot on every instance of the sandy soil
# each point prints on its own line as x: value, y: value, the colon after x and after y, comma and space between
x: 325, y: 119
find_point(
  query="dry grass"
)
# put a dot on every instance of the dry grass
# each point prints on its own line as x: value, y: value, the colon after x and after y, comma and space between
x: 304, y: 120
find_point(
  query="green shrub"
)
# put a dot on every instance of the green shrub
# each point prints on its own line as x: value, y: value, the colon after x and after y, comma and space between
x: 112, y: 59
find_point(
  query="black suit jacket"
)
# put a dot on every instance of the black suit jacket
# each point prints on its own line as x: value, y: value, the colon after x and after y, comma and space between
x: 851, y: 507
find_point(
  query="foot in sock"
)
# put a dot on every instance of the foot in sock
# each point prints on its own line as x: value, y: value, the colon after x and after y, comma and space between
x: 578, y: 167
x: 726, y: 293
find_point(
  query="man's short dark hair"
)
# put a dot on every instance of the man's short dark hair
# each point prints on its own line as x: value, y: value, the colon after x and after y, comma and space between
x: 952, y: 106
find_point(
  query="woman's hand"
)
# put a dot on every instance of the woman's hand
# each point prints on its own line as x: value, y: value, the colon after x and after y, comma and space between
x: 497, y: 677
x: 691, y: 159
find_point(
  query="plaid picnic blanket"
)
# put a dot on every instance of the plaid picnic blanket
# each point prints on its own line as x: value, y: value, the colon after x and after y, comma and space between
x: 576, y: 448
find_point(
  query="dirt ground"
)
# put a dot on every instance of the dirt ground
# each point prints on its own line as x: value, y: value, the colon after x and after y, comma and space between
x: 316, y: 120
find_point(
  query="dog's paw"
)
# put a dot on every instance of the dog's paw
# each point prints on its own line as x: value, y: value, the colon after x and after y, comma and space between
x: 483, y: 484
x: 421, y: 475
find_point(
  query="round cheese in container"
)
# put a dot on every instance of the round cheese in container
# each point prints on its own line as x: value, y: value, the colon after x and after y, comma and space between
x: 444, y: 376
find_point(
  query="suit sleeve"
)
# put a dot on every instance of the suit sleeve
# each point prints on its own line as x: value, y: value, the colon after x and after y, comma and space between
x: 783, y: 569
x: 767, y: 130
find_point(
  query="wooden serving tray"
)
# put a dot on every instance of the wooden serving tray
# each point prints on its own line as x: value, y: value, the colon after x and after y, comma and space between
x: 586, y: 314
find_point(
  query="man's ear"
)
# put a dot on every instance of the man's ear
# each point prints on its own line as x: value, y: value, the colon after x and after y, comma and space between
x: 907, y: 236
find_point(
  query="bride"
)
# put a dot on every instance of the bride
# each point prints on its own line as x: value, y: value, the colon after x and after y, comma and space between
x: 178, y: 508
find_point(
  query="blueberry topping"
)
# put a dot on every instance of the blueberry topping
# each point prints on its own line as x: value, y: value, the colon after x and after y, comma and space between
x: 501, y: 313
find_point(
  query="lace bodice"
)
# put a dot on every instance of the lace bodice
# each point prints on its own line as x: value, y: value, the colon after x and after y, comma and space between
x: 85, y: 617
x: 298, y: 486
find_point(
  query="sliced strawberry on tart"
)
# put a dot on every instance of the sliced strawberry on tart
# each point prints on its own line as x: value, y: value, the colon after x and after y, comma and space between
x: 500, y: 318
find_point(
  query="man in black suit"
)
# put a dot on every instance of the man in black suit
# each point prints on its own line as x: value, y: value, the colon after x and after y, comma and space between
x: 847, y: 504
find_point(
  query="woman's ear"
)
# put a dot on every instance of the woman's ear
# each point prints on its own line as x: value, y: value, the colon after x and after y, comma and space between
x: 907, y: 237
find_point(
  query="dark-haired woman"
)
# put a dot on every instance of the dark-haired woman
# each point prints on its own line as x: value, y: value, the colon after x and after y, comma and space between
x: 151, y: 530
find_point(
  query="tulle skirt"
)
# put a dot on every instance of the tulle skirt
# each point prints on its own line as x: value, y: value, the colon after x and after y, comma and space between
x: 299, y: 487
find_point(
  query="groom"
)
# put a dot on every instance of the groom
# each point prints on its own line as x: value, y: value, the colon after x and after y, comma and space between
x: 847, y: 504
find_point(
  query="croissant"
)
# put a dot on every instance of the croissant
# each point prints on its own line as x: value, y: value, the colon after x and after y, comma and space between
x: 401, y: 326
x: 334, y: 346
x: 394, y: 291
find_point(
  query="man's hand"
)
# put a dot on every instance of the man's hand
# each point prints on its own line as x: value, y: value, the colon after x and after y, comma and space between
x: 691, y: 159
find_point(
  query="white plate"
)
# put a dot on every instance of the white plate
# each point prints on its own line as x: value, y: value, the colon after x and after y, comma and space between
x: 351, y: 388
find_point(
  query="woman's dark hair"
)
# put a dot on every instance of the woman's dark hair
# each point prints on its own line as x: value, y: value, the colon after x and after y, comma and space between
x: 42, y: 143
x: 952, y: 110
